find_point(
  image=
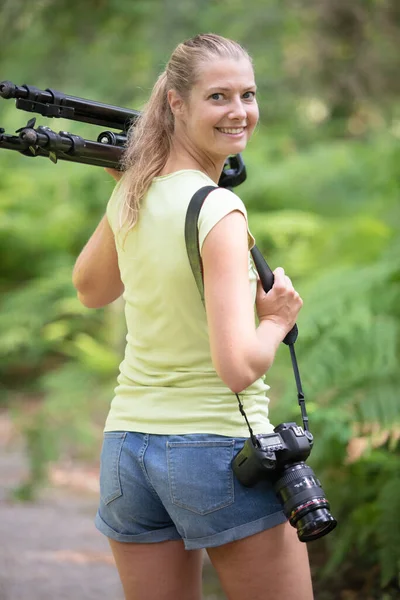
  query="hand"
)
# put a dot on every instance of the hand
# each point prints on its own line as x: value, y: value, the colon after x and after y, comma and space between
x: 281, y: 304
x: 114, y: 173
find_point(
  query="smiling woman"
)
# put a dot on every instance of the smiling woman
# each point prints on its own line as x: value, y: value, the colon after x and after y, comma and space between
x: 167, y: 489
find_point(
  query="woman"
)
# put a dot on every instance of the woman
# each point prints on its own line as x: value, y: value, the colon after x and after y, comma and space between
x: 167, y: 487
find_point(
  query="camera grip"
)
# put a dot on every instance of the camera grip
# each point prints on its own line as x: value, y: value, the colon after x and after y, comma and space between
x: 267, y: 281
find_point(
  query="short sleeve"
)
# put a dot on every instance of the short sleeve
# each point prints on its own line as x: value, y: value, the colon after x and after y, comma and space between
x: 113, y: 206
x: 219, y: 203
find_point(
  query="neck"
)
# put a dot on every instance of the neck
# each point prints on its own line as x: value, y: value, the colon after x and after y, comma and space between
x: 187, y: 158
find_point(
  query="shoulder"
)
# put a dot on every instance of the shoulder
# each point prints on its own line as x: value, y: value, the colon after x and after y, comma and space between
x: 218, y: 204
x: 221, y: 199
x: 190, y: 178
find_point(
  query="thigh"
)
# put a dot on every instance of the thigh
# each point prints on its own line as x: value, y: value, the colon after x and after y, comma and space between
x: 159, y: 571
x: 265, y: 566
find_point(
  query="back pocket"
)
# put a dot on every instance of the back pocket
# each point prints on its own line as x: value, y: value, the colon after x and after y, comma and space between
x: 110, y: 483
x: 200, y: 474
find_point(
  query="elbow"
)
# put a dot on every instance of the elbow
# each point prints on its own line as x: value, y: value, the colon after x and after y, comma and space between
x: 238, y: 373
x: 237, y: 379
x: 83, y: 291
x: 97, y: 294
x: 239, y: 386
x: 79, y: 282
x: 99, y: 299
x: 88, y: 301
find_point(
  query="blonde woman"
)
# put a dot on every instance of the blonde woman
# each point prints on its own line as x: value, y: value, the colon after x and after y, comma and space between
x: 167, y: 486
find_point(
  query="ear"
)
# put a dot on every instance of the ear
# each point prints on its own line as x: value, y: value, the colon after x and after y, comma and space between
x: 176, y: 103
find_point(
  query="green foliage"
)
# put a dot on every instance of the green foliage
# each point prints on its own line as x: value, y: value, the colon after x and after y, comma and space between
x: 349, y: 357
x: 66, y: 422
x: 52, y: 347
x: 40, y: 440
x: 335, y: 179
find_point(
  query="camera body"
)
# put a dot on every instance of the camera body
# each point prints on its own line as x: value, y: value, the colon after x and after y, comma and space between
x: 289, y: 444
x: 280, y: 456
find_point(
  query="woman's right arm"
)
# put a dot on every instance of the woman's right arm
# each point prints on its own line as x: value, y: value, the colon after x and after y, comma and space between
x: 242, y: 352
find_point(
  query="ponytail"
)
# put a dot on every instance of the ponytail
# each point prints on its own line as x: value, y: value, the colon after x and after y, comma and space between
x: 148, y: 146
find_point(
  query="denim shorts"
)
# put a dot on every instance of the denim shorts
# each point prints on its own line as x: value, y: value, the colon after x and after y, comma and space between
x: 155, y: 488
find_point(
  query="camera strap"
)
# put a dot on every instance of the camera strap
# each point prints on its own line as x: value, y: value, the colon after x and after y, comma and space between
x: 266, y: 277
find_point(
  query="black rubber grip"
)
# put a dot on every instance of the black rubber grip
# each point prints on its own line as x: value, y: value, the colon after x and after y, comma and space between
x: 267, y: 281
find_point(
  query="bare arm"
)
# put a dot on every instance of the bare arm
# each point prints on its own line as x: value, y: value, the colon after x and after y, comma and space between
x: 96, y: 274
x: 242, y: 352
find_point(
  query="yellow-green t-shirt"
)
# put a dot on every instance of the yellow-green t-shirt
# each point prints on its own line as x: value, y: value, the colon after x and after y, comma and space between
x: 167, y: 383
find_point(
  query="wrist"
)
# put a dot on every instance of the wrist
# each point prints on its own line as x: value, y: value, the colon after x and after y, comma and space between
x: 275, y: 329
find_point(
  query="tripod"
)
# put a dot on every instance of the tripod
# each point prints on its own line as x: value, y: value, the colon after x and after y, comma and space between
x: 109, y: 146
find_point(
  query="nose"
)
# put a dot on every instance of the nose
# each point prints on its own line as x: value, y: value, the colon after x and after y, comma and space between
x: 237, y: 109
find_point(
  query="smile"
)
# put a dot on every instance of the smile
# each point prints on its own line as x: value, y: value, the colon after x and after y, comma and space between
x: 231, y: 130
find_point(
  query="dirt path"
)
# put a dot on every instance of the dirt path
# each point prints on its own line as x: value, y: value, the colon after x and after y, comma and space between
x: 50, y: 549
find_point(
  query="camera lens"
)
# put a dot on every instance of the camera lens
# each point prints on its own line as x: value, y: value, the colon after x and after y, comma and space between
x: 304, y: 502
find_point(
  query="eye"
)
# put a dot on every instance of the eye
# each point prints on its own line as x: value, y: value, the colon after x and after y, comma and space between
x: 216, y: 96
x: 249, y: 95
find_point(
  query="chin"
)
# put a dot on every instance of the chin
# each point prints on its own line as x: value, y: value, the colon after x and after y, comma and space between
x: 237, y: 148
x: 234, y: 147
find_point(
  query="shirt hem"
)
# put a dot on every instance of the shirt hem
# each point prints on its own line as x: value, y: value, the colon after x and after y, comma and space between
x: 239, y: 431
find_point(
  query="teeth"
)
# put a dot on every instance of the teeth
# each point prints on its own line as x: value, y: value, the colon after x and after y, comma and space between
x: 226, y: 130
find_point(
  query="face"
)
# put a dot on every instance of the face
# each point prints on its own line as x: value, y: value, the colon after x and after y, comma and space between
x: 221, y: 112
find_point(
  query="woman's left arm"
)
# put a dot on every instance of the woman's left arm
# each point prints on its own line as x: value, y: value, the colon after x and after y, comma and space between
x: 96, y: 274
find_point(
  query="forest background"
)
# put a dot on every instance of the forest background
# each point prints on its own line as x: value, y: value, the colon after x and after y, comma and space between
x: 322, y: 192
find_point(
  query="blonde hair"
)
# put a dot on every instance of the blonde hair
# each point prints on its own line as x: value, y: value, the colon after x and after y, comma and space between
x: 149, y: 139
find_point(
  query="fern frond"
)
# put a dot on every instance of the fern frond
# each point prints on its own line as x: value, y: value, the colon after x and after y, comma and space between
x: 345, y: 358
x: 379, y: 403
x: 389, y: 530
x: 330, y: 297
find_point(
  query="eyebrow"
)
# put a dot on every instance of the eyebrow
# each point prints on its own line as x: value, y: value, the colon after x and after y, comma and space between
x: 228, y: 89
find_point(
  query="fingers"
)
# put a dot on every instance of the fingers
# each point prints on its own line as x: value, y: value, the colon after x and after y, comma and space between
x: 289, y: 284
x: 282, y: 303
x: 279, y: 275
x: 281, y: 280
x: 282, y: 283
x: 114, y: 173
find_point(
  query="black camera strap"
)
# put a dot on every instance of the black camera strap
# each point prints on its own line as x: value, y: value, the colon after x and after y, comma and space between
x: 266, y: 277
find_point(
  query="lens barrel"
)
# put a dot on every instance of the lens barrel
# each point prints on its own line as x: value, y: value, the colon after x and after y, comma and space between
x: 304, y: 502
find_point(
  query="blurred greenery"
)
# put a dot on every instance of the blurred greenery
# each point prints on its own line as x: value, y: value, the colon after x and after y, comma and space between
x: 323, y: 198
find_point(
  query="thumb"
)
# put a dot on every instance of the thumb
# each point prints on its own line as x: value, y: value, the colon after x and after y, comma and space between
x: 279, y: 275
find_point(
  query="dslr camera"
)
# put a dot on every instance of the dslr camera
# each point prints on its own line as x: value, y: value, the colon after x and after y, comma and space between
x: 282, y: 455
